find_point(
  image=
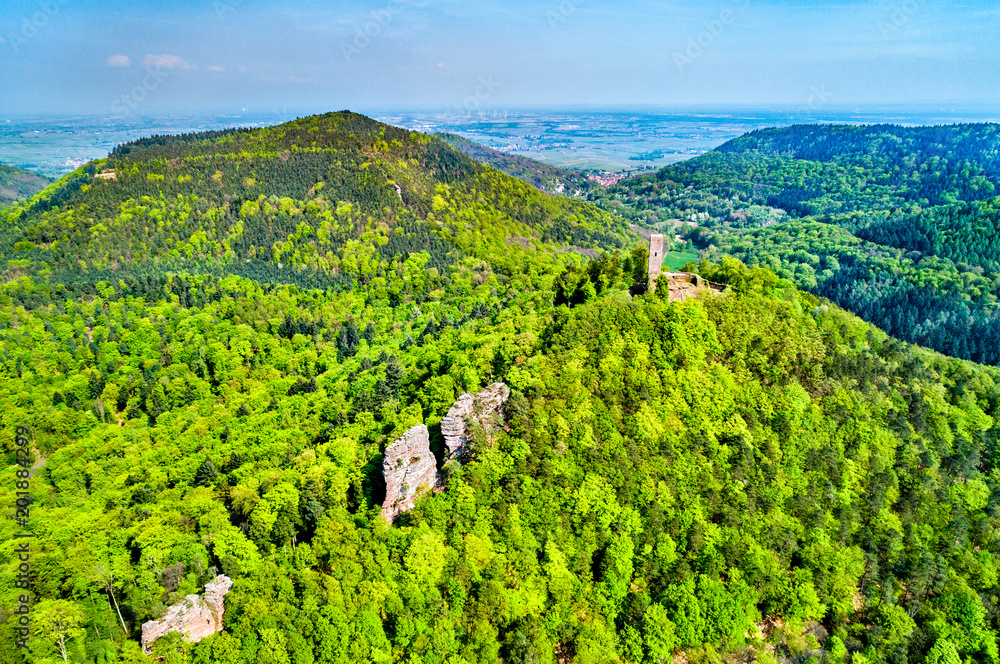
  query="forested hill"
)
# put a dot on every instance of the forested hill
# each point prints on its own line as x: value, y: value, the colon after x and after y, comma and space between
x: 328, y: 199
x: 921, y: 204
x: 210, y: 341
x: 825, y: 169
x: 17, y: 184
x: 861, y: 144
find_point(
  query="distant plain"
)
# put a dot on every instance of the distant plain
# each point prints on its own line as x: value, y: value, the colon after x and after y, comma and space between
x: 612, y: 139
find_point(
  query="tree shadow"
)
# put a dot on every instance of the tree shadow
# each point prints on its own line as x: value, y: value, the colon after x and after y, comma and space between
x: 372, y: 489
x: 438, y: 448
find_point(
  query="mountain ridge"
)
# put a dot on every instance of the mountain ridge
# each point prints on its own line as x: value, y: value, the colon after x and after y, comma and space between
x: 542, y: 176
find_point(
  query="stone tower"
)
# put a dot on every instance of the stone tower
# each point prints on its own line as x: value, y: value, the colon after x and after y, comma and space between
x: 655, y: 260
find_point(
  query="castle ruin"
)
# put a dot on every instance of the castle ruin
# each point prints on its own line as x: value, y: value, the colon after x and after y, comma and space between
x: 683, y: 285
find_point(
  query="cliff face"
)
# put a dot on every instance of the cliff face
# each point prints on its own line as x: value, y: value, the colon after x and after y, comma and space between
x: 408, y: 466
x: 484, y: 409
x: 409, y: 463
x: 194, y: 617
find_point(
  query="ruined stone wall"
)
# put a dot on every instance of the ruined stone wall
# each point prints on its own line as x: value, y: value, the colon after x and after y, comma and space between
x: 684, y: 286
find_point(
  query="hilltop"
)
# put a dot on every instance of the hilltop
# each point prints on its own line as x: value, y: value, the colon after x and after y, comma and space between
x: 17, y: 184
x: 328, y: 199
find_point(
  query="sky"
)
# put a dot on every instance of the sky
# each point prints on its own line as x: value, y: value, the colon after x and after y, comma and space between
x: 114, y: 58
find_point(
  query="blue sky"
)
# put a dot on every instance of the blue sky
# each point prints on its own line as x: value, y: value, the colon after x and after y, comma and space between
x: 85, y: 56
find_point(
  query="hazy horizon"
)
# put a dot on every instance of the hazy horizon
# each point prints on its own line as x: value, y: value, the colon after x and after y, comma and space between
x: 581, y: 137
x: 973, y: 112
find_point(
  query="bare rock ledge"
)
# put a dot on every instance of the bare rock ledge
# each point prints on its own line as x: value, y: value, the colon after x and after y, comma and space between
x: 484, y: 409
x: 408, y: 465
x: 194, y: 617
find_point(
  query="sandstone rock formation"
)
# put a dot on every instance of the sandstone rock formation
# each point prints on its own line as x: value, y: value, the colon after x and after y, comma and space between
x: 194, y: 617
x: 484, y: 409
x: 408, y: 465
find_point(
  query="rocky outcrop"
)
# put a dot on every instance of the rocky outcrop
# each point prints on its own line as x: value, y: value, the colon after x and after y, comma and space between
x: 484, y: 409
x: 194, y: 617
x: 408, y: 465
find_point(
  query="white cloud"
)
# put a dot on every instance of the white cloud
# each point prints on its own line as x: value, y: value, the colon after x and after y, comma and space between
x: 288, y: 79
x: 119, y: 61
x: 216, y: 68
x: 165, y: 61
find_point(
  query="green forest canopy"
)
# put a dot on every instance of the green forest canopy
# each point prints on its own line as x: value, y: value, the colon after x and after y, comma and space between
x: 756, y: 474
x: 919, y: 253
